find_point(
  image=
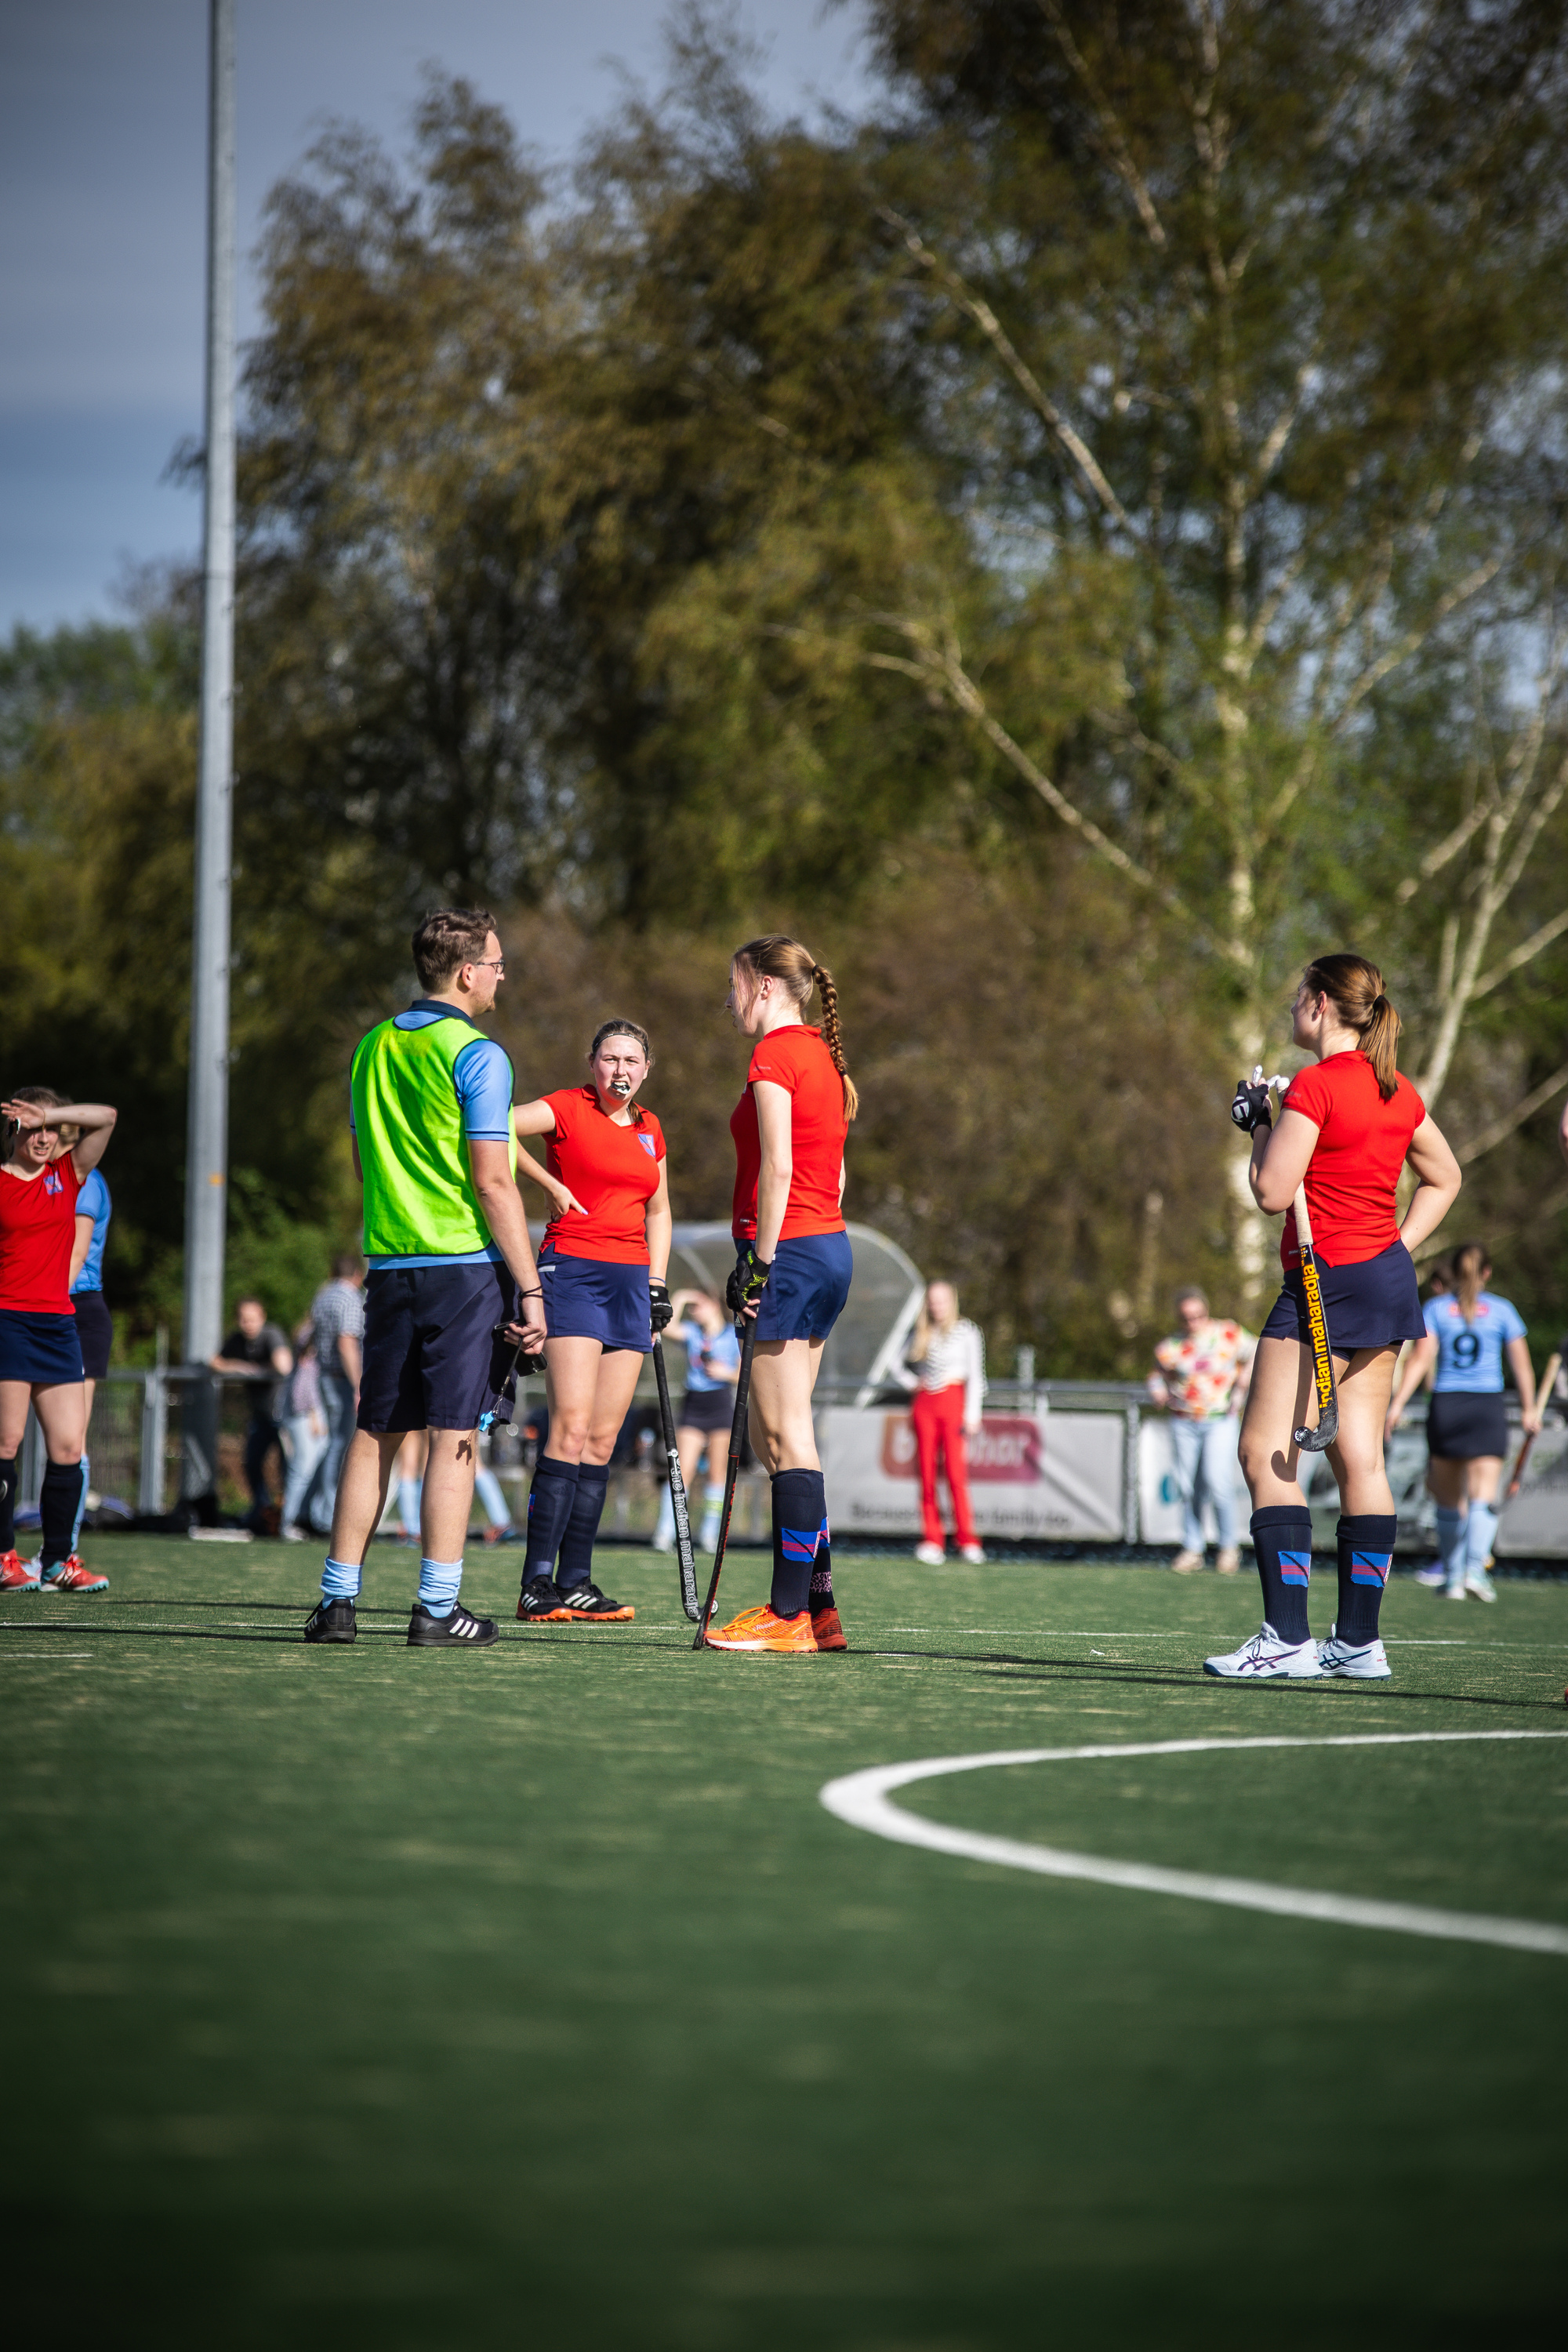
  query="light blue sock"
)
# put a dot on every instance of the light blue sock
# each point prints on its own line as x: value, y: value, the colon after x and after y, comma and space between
x: 81, y: 1506
x: 1480, y: 1534
x: 408, y: 1493
x: 439, y: 1583
x: 340, y: 1580
x: 1451, y: 1543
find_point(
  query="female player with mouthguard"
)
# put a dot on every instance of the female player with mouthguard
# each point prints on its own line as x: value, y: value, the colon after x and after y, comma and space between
x: 1348, y: 1124
x: 792, y: 1269
x: 601, y: 1267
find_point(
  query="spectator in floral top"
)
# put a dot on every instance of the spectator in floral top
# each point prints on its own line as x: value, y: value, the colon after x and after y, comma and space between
x: 1202, y: 1376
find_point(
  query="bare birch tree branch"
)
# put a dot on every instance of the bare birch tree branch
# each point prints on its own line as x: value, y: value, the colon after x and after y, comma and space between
x: 1524, y: 953
x: 1110, y: 129
x: 1502, y: 1128
x: 1413, y: 639
x: 975, y: 306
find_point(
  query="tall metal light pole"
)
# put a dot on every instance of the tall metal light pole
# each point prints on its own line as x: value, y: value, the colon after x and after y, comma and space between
x: 206, y: 1151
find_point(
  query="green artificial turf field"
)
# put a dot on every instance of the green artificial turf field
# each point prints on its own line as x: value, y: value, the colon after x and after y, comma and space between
x: 370, y: 1996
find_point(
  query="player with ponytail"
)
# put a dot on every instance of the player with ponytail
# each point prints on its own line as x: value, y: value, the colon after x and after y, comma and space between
x: 1470, y: 1331
x: 1348, y: 1124
x: 792, y: 1269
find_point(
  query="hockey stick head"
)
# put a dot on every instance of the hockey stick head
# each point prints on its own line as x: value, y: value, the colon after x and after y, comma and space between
x: 1319, y: 1440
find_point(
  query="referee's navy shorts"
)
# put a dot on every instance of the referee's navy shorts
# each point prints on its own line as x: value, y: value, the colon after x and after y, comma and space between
x: 708, y: 1409
x: 596, y: 1298
x: 429, y: 1345
x: 42, y: 1349
x: 95, y: 1330
x: 1467, y: 1425
x: 806, y: 1287
x: 1374, y: 1305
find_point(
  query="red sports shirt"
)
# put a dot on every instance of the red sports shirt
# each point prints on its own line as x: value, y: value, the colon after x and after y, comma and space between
x: 37, y: 1229
x: 614, y: 1171
x: 797, y: 1059
x: 1353, y: 1172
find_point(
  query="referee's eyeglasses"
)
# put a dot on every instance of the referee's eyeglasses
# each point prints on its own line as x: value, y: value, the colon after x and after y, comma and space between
x: 495, y: 963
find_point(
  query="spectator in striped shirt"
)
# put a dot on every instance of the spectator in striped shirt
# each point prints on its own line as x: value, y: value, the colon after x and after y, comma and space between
x: 946, y: 1369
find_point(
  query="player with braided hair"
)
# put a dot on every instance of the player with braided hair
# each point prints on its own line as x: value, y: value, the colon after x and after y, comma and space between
x: 793, y: 1268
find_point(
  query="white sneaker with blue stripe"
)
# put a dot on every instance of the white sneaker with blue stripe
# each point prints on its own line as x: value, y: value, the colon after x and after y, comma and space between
x: 1266, y: 1658
x: 1367, y: 1662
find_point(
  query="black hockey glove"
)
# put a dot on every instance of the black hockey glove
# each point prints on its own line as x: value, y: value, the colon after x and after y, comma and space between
x: 748, y: 1282
x: 660, y: 1309
x: 1250, y: 1107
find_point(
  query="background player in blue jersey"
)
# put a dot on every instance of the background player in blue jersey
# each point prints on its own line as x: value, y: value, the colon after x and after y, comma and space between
x: 1469, y: 1334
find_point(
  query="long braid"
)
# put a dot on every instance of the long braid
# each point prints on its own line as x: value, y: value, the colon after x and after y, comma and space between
x: 831, y: 1036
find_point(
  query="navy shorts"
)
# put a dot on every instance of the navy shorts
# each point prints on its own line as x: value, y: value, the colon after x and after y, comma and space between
x: 807, y: 1288
x: 708, y: 1409
x: 596, y: 1298
x: 1467, y: 1425
x: 95, y: 1330
x: 1374, y: 1305
x: 42, y: 1349
x: 429, y: 1345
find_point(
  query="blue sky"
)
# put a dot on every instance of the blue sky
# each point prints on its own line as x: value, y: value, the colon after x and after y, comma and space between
x: 102, y: 194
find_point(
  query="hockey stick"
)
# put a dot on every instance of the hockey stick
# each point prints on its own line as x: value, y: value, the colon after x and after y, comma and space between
x: 1317, y: 1440
x: 732, y: 1471
x: 677, y: 1488
x: 1548, y: 1382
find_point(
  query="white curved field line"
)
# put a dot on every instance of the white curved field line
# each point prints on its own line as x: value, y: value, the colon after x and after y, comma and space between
x: 861, y: 1799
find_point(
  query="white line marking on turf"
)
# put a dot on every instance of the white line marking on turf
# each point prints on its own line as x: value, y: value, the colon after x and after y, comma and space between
x: 861, y: 1799
x: 48, y: 1653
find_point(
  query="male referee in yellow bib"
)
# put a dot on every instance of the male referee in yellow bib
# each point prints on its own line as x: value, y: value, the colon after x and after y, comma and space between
x: 447, y: 1240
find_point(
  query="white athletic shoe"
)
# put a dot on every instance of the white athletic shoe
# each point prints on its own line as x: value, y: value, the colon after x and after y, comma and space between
x: 1266, y: 1658
x: 931, y: 1555
x: 1186, y: 1563
x: 1366, y: 1662
x: 1455, y: 1591
x: 1434, y: 1577
x: 973, y: 1553
x: 1480, y: 1583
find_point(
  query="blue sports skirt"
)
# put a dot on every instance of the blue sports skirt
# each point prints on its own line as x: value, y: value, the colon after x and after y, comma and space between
x: 1375, y: 1303
x: 45, y: 1350
x: 806, y: 1287
x: 1466, y: 1424
x: 596, y: 1298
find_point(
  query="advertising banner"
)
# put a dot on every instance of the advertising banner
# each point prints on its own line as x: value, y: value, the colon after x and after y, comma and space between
x: 1031, y: 1475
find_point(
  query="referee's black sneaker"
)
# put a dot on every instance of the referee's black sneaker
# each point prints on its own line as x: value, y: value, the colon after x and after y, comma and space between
x: 459, y: 1629
x: 586, y: 1605
x: 539, y: 1603
x: 332, y: 1620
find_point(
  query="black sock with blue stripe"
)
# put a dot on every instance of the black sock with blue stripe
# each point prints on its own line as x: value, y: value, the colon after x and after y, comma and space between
x: 1367, y: 1554
x: 550, y: 1501
x: 1282, y: 1545
x: 800, y: 1529
x: 576, y: 1568
x: 8, y: 1505
x: 57, y: 1499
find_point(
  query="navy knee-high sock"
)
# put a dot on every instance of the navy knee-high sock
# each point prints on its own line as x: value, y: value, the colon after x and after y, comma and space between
x: 58, y: 1498
x: 8, y: 1505
x: 1367, y: 1554
x: 550, y: 1501
x: 577, y: 1540
x: 800, y: 1529
x: 1282, y: 1541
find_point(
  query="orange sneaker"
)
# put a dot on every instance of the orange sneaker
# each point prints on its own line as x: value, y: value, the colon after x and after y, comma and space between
x: 829, y: 1632
x: 759, y: 1629
x: 71, y: 1575
x: 16, y: 1574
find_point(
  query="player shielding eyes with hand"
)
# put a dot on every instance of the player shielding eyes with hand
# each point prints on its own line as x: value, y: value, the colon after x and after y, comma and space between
x: 793, y: 1270
x: 1348, y: 1124
x: 603, y: 1266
